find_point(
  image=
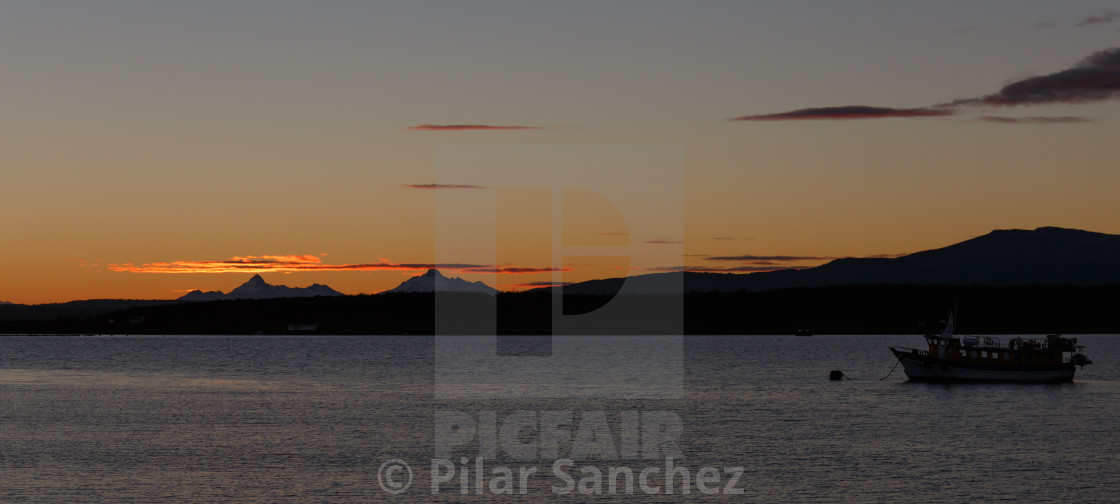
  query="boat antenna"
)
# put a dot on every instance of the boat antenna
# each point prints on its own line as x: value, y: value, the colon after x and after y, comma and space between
x: 956, y: 311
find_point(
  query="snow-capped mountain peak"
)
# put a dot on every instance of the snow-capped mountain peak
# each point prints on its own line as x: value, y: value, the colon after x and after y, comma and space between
x: 257, y: 288
x: 434, y: 281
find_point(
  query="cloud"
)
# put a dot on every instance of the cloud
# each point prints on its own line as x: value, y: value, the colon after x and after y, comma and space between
x: 776, y: 258
x: 469, y: 127
x: 1034, y: 120
x: 759, y: 264
x: 533, y: 285
x: 512, y: 270
x: 299, y: 263
x: 1045, y: 24
x: 747, y: 269
x: 1095, y: 78
x: 886, y: 256
x: 848, y: 112
x: 1107, y: 17
x: 442, y: 186
x: 774, y: 262
x: 663, y: 241
x: 727, y: 269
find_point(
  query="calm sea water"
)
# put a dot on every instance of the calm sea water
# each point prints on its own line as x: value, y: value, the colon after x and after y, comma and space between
x: 313, y: 419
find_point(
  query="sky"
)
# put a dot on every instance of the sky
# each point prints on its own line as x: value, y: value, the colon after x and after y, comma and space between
x: 148, y: 148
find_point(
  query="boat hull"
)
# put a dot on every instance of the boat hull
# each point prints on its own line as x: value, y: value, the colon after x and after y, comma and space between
x: 921, y: 367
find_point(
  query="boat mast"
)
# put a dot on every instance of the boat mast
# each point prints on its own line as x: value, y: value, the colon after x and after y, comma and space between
x: 948, y: 331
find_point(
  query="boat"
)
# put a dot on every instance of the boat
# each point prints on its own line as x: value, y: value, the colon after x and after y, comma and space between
x: 803, y: 332
x: 1052, y: 359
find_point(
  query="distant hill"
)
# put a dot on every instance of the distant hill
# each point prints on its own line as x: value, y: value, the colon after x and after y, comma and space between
x: 84, y: 308
x: 1067, y: 276
x: 1045, y: 256
x: 257, y: 288
x: 868, y: 309
x: 434, y: 281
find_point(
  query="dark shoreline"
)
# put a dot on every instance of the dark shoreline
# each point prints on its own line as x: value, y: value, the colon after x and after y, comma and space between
x: 875, y: 309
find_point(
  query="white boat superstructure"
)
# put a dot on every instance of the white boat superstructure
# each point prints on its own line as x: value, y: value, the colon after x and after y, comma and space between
x: 1053, y: 358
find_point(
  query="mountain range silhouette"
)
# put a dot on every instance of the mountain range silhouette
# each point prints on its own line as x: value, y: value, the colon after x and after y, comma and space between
x: 434, y: 281
x: 1044, y: 256
x: 257, y: 288
x: 1011, y: 281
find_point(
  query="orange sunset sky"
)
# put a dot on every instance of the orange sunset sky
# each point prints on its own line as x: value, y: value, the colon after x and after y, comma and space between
x: 152, y: 148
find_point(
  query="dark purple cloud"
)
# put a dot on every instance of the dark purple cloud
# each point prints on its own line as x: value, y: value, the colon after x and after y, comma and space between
x: 847, y: 112
x: 1107, y: 17
x: 1096, y: 78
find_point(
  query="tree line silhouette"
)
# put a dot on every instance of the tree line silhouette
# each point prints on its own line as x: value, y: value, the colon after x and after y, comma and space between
x: 873, y: 309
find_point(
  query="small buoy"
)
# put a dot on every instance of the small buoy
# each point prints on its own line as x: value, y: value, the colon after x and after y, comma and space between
x: 836, y: 375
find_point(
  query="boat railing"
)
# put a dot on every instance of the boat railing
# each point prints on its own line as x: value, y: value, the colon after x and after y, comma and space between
x: 913, y: 351
x: 1051, y: 342
x: 982, y: 341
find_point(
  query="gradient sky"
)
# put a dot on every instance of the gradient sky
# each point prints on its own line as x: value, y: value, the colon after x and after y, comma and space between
x: 301, y: 138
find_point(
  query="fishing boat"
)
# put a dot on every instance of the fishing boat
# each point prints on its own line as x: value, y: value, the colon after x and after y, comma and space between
x: 950, y: 358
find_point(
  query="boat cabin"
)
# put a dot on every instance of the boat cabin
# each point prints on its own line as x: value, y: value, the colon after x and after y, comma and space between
x: 989, y: 358
x: 1052, y: 350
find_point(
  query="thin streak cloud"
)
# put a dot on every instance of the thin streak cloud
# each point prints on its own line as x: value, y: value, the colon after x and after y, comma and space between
x: 1107, y: 17
x: 302, y: 263
x: 886, y: 256
x: 1034, y: 120
x: 722, y: 269
x: 533, y: 285
x: 847, y: 112
x: 513, y: 270
x: 442, y: 186
x: 749, y: 257
x: 469, y: 127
